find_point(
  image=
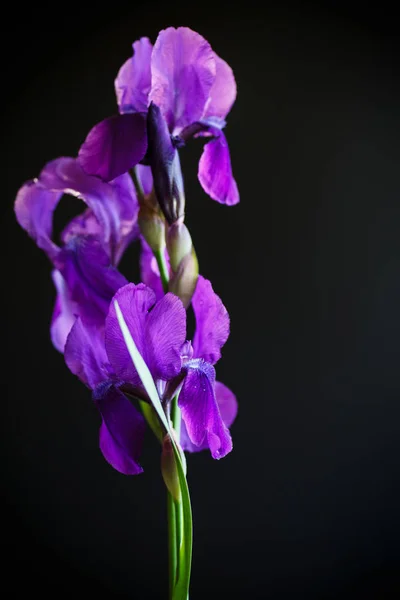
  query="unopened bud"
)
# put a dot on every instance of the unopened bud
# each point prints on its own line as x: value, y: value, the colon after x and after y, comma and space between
x: 169, y: 469
x: 179, y: 243
x: 183, y: 281
x: 152, y: 227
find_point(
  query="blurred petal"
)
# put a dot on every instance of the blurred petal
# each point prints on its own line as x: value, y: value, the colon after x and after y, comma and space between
x: 183, y: 71
x: 145, y: 177
x: 122, y: 429
x: 90, y: 278
x: 200, y: 412
x: 34, y: 207
x: 215, y: 170
x: 212, y: 322
x: 149, y: 272
x: 133, y: 82
x: 64, y: 313
x: 223, y: 91
x: 114, y: 146
x: 85, y: 354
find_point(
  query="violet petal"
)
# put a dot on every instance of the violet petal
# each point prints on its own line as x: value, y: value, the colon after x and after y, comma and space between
x: 215, y: 170
x: 133, y: 82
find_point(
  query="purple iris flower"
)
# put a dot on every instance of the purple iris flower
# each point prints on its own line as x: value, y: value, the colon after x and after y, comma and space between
x: 193, y: 89
x: 99, y: 357
x: 92, y: 243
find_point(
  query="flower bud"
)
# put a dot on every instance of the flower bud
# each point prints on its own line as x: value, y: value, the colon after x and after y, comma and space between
x: 184, y: 279
x: 179, y: 243
x: 169, y: 470
x: 152, y: 227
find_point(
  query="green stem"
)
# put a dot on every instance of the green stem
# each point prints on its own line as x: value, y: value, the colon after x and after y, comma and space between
x: 138, y: 184
x: 172, y: 544
x: 163, y: 268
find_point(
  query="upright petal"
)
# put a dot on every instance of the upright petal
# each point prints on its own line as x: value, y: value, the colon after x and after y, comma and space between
x: 227, y: 405
x: 34, y: 207
x: 200, y: 412
x: 85, y: 354
x: 223, y: 91
x: 212, y: 322
x: 133, y: 82
x: 90, y: 278
x: 114, y: 146
x: 64, y: 313
x: 182, y: 74
x: 122, y: 429
x: 215, y: 170
x: 135, y: 301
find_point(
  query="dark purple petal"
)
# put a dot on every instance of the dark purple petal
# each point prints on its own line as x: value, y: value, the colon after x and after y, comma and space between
x: 113, y: 205
x: 85, y: 354
x: 134, y: 302
x: 114, y: 146
x: 165, y: 336
x: 122, y: 429
x: 183, y: 71
x: 215, y: 170
x: 149, y: 272
x: 200, y: 412
x: 133, y: 82
x: 64, y: 313
x: 223, y: 91
x: 90, y: 278
x: 34, y: 207
x: 212, y: 322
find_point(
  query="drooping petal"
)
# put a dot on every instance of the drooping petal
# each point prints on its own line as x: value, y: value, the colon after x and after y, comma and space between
x: 200, y: 412
x: 227, y: 405
x: 135, y: 301
x: 133, y: 82
x: 64, y: 313
x: 85, y: 354
x: 215, y: 170
x: 34, y: 208
x: 149, y: 272
x: 122, y: 429
x: 183, y: 70
x: 114, y: 146
x: 212, y: 322
x: 223, y: 91
x: 90, y: 278
x: 165, y: 336
x: 113, y: 205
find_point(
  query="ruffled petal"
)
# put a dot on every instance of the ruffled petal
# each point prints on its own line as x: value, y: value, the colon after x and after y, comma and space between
x: 85, y: 354
x: 204, y: 424
x: 223, y: 91
x: 133, y: 82
x: 64, y: 313
x: 215, y: 170
x: 90, y: 278
x: 183, y: 71
x: 212, y: 322
x: 122, y: 429
x: 114, y: 146
x: 34, y: 207
x: 228, y: 407
x: 135, y: 301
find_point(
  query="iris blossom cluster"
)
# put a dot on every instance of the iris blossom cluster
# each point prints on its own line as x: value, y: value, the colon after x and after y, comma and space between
x: 128, y: 175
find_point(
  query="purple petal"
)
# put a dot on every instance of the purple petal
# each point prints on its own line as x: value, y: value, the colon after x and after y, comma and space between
x: 85, y: 354
x: 122, y: 429
x: 34, y: 207
x: 113, y: 205
x: 149, y: 272
x: 183, y: 71
x: 212, y: 322
x: 64, y: 313
x: 215, y: 170
x: 227, y: 405
x: 223, y: 91
x: 135, y: 302
x: 145, y: 177
x: 90, y: 278
x: 133, y: 82
x: 114, y: 146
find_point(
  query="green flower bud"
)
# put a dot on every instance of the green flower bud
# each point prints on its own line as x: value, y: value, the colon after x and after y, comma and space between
x: 152, y: 227
x: 179, y: 243
x: 184, y: 279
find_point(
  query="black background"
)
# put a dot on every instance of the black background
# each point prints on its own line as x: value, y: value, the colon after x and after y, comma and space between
x: 308, y: 265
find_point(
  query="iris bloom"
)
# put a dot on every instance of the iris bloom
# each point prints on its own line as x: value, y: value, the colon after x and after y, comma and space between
x: 92, y: 243
x: 193, y: 89
x: 99, y: 357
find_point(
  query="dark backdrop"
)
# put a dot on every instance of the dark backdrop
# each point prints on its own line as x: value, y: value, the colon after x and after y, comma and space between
x: 308, y: 265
